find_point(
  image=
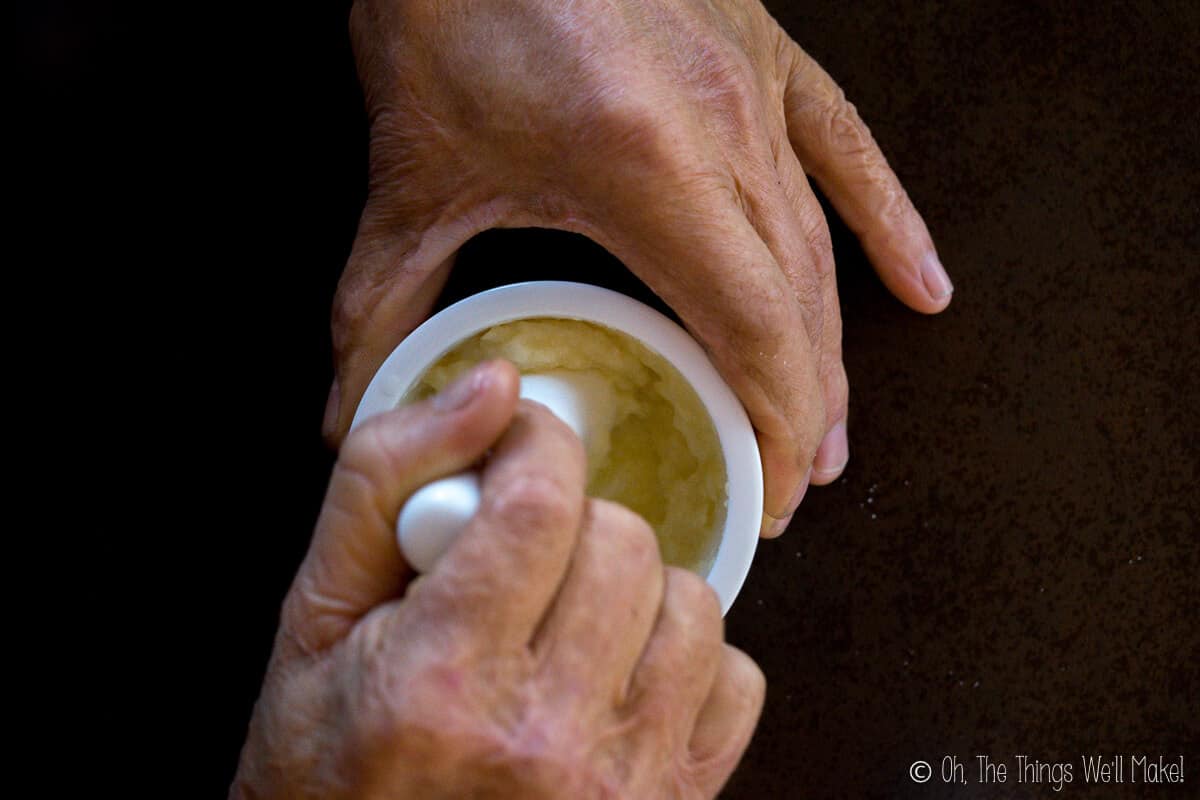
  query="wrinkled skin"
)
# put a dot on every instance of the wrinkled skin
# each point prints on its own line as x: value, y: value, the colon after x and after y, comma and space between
x: 548, y: 654
x: 675, y: 133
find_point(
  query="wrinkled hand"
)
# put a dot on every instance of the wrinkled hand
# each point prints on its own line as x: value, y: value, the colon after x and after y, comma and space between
x: 675, y: 133
x: 548, y: 654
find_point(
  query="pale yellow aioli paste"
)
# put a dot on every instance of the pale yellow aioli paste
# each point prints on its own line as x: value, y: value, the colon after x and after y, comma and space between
x: 652, y: 444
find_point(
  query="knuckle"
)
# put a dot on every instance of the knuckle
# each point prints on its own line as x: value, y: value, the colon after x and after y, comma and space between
x: 893, y: 209
x: 745, y: 672
x: 815, y: 229
x: 810, y: 295
x: 624, y: 123
x: 533, y: 501
x: 363, y: 445
x: 837, y: 393
x: 354, y: 473
x: 758, y: 314
x: 724, y: 80
x: 656, y: 709
x: 690, y: 631
x: 628, y: 534
x: 846, y: 135
x: 351, y: 308
x: 812, y: 432
x: 541, y: 417
x: 790, y: 58
x: 369, y: 452
x: 371, y: 278
x: 843, y: 129
x: 807, y: 429
x: 294, y: 618
x: 695, y: 601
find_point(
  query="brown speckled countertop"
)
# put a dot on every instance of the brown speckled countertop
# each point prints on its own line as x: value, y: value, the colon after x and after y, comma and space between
x: 1010, y: 563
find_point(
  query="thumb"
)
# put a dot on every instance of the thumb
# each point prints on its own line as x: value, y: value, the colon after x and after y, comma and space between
x: 353, y: 563
x: 391, y: 281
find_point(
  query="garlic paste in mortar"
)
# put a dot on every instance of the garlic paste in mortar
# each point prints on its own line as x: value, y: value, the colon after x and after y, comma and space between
x: 652, y: 446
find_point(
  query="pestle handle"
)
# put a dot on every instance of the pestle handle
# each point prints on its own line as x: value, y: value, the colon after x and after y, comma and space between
x: 436, y: 513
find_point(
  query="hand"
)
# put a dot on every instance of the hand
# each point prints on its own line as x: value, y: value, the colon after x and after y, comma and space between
x: 548, y: 653
x: 675, y: 133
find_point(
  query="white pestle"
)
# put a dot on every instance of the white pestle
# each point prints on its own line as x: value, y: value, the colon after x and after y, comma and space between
x: 437, y: 513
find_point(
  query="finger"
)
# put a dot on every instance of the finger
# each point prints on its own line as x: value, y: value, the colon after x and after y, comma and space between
x: 681, y: 660
x: 393, y: 277
x: 834, y: 451
x: 593, y: 635
x: 774, y: 528
x: 837, y: 149
x: 701, y: 255
x: 832, y: 456
x: 727, y: 720
x: 353, y: 562
x: 497, y: 580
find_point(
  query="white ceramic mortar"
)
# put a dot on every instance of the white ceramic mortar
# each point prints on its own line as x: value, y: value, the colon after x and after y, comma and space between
x: 562, y: 300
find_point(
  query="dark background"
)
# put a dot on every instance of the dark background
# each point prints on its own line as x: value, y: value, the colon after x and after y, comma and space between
x: 1009, y: 565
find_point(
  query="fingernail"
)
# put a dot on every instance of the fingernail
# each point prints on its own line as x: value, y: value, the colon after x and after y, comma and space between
x: 778, y: 526
x: 332, y: 406
x: 937, y: 282
x: 833, y: 453
x: 461, y: 390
